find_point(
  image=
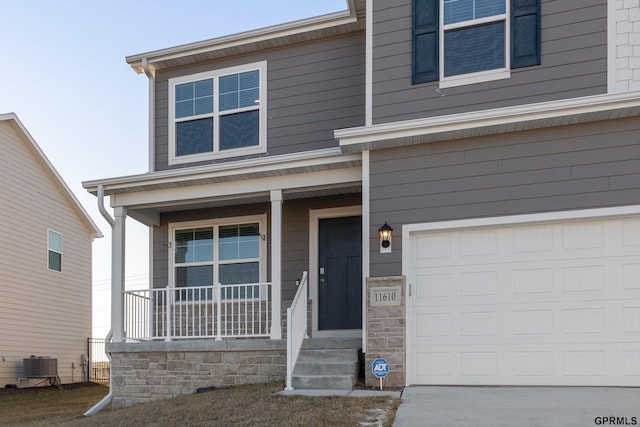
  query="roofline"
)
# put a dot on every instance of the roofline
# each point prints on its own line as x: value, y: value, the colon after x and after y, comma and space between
x: 13, y: 117
x: 262, y: 166
x: 489, y: 122
x: 347, y: 16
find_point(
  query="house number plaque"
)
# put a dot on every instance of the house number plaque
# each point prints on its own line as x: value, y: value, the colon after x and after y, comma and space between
x: 380, y: 297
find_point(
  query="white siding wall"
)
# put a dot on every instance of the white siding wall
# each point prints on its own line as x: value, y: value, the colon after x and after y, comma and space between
x: 624, y: 45
x: 42, y: 312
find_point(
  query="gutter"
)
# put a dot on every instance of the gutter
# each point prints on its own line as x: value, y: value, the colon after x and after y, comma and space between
x: 150, y: 73
x: 107, y: 399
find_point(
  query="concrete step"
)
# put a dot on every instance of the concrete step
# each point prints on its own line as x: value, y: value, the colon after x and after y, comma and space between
x: 328, y: 355
x: 336, y: 368
x: 326, y: 369
x: 323, y: 382
x: 332, y: 343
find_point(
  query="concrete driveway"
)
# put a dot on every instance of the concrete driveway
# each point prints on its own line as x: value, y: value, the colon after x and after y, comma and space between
x: 518, y: 406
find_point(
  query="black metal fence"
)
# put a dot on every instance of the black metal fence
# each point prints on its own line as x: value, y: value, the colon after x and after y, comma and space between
x: 98, y: 361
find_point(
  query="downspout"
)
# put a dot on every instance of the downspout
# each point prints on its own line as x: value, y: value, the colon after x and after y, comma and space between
x: 105, y: 400
x: 150, y: 73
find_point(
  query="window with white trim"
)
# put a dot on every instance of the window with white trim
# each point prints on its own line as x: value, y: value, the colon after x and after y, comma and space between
x: 458, y: 42
x: 217, y: 114
x: 54, y: 250
x: 230, y: 252
x: 474, y: 37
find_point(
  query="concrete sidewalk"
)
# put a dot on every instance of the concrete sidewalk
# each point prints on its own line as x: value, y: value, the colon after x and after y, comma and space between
x: 518, y: 406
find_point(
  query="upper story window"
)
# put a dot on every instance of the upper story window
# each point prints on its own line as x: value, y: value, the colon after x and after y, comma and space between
x: 54, y: 250
x: 460, y: 42
x: 217, y: 114
x: 473, y: 34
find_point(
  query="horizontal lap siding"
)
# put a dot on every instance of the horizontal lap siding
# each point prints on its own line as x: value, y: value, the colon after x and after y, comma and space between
x: 574, y: 63
x: 570, y: 167
x: 312, y: 89
x: 42, y: 312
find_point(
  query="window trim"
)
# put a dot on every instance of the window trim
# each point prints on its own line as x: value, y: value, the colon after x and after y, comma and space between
x: 216, y: 262
x: 49, y: 249
x: 481, y: 76
x: 173, y: 159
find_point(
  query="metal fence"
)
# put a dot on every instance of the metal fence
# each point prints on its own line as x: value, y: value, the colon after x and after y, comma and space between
x: 98, y: 361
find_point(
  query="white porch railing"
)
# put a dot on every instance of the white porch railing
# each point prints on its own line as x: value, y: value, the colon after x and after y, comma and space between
x: 218, y: 311
x: 296, y: 327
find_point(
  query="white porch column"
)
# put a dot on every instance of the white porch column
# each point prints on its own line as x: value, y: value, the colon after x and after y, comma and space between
x: 117, y: 273
x: 276, y: 264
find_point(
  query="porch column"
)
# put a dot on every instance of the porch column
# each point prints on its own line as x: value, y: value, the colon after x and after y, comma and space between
x: 117, y: 273
x: 276, y: 264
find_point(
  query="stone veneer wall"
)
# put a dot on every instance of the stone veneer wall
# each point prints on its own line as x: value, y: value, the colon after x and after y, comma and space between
x: 386, y: 327
x: 143, y: 372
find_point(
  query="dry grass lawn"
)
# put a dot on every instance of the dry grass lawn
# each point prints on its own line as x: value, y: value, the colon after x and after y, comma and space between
x: 251, y: 405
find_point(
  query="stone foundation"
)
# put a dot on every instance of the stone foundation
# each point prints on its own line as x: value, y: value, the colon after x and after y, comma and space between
x: 143, y: 372
x: 386, y: 331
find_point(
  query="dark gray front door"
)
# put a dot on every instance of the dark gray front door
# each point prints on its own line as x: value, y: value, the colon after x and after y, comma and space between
x: 340, y: 273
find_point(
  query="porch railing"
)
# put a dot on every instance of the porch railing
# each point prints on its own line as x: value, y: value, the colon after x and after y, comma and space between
x: 219, y: 311
x: 296, y: 328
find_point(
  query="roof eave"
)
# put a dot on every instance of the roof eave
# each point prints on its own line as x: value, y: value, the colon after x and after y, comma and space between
x: 276, y: 35
x: 95, y: 231
x: 489, y: 122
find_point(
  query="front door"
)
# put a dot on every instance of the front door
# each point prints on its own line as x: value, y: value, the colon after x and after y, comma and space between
x: 340, y: 273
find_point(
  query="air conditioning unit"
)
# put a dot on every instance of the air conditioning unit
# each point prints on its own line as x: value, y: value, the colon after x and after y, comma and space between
x: 40, y: 367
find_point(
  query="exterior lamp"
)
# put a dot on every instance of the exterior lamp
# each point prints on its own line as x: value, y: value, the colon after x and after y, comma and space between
x: 386, y: 233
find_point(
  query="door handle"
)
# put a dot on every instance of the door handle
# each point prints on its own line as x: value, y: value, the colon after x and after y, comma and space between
x: 321, y: 274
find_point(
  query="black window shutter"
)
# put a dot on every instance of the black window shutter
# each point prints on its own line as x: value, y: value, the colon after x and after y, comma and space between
x: 525, y: 33
x: 425, y: 40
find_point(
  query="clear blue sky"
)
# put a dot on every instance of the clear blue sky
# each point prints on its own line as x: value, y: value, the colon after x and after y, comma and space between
x: 63, y: 72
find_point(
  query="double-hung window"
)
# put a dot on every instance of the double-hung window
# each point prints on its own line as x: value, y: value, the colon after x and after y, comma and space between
x: 217, y: 114
x: 229, y: 253
x: 54, y: 250
x: 473, y: 38
x: 460, y: 42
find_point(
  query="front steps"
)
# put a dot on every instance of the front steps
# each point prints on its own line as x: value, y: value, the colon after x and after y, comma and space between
x: 327, y: 364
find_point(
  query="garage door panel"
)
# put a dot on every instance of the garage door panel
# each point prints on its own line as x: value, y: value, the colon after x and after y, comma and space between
x: 553, y: 303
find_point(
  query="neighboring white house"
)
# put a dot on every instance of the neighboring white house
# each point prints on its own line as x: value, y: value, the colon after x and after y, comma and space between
x: 45, y: 262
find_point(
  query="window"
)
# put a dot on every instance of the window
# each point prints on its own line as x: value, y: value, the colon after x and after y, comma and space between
x: 229, y: 253
x: 469, y: 41
x: 217, y: 114
x: 54, y: 250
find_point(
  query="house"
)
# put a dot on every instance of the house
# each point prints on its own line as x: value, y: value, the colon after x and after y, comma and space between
x: 45, y: 267
x: 496, y: 146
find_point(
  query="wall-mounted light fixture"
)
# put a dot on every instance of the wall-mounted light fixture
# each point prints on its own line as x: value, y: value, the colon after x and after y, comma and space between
x: 386, y: 232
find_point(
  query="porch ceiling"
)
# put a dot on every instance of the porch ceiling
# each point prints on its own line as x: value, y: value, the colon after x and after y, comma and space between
x: 147, y: 215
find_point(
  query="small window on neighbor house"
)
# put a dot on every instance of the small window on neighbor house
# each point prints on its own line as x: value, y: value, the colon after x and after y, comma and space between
x: 217, y: 114
x: 54, y: 246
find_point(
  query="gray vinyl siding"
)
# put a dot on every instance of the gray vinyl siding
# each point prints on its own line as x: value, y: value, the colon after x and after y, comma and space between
x: 574, y: 64
x: 295, y: 235
x: 312, y: 89
x: 564, y: 168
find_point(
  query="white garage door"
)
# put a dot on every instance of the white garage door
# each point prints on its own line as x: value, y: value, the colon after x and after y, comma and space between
x: 535, y: 303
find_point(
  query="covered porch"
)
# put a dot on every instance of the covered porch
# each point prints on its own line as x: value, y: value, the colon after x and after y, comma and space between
x: 229, y: 245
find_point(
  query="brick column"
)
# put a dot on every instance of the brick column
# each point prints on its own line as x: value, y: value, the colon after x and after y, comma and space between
x: 386, y: 329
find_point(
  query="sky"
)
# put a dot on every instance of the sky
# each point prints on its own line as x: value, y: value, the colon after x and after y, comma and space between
x: 63, y: 72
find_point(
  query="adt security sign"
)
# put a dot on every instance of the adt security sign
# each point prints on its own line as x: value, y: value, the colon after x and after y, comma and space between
x: 380, y: 367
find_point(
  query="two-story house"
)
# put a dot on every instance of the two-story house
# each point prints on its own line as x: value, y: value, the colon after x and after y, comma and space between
x: 498, y: 140
x: 45, y: 267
